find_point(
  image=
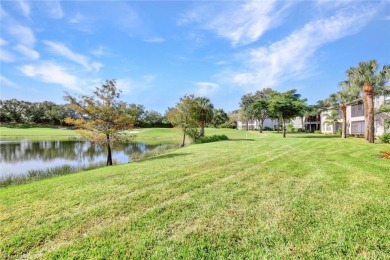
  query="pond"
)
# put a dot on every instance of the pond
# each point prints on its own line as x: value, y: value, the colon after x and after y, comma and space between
x: 18, y: 157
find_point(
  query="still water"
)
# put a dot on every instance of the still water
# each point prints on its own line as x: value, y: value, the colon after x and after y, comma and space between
x: 18, y: 157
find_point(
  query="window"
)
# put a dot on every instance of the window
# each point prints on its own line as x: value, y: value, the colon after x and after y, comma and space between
x: 357, y: 110
x: 387, y: 99
x: 357, y: 127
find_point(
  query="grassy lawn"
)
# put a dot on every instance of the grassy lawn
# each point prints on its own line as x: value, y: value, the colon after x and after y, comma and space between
x: 36, y: 133
x: 146, y: 135
x: 306, y: 196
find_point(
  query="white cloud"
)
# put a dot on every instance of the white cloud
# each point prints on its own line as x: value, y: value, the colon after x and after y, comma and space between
x: 154, y: 40
x: 6, y: 56
x: 29, y: 53
x: 54, y: 9
x: 125, y: 85
x: 23, y: 34
x: 51, y: 72
x: 61, y: 50
x: 25, y: 7
x: 246, y: 22
x: 6, y: 82
x: 206, y: 88
x: 291, y: 57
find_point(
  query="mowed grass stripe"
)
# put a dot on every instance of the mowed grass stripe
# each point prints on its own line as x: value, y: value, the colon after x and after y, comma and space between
x: 270, y: 197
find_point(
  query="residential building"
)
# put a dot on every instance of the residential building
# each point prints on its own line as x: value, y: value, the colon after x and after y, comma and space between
x: 355, y: 118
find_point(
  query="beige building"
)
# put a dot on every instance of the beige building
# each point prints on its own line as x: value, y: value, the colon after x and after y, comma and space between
x: 355, y: 118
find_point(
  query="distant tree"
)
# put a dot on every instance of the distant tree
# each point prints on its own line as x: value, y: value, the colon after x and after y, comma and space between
x: 246, y: 110
x: 219, y: 117
x: 202, y: 112
x: 137, y: 112
x: 366, y: 77
x: 15, y: 110
x: 152, y: 118
x: 103, y: 118
x: 181, y: 115
x: 286, y: 105
x: 259, y: 106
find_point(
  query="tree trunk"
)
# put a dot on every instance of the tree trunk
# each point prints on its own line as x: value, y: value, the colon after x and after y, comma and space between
x: 184, y: 137
x: 317, y: 119
x: 201, y: 129
x: 343, y: 109
x: 284, y: 128
x: 109, y: 156
x: 365, y: 105
x: 261, y: 122
x: 369, y: 91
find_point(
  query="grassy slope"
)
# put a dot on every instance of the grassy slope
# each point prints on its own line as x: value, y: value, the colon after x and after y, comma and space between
x: 294, y: 197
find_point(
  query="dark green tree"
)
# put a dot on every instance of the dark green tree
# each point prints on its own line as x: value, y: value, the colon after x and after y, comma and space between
x: 286, y: 106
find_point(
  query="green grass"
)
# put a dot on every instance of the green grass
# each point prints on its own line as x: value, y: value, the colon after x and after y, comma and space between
x: 36, y: 133
x: 146, y: 135
x: 306, y: 196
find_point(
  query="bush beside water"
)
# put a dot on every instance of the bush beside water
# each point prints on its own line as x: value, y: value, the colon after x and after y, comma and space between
x: 34, y: 175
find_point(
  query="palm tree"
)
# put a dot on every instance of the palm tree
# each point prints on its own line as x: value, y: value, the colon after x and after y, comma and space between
x: 320, y: 106
x: 203, y: 112
x: 367, y: 78
x: 346, y: 95
x: 333, y: 119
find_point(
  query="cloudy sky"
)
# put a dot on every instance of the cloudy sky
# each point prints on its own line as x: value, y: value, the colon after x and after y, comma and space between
x: 160, y: 50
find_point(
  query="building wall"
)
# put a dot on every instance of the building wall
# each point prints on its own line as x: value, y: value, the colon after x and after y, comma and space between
x: 355, y: 118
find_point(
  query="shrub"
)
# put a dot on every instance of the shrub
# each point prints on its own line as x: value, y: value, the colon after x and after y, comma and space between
x: 212, y: 138
x: 385, y: 138
x: 193, y: 133
x: 317, y: 131
x: 339, y: 132
x: 290, y: 128
x: 267, y: 128
x: 232, y: 125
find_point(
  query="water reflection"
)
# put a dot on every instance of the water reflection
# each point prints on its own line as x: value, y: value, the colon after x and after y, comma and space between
x: 18, y: 157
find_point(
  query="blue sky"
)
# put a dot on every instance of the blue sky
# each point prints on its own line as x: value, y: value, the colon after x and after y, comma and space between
x: 160, y: 50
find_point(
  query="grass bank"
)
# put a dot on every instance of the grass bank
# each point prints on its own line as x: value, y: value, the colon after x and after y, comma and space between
x: 305, y: 196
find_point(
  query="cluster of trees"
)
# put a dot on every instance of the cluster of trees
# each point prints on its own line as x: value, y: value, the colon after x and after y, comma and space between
x: 268, y: 103
x: 46, y: 112
x: 49, y: 113
x: 363, y: 82
x: 192, y: 114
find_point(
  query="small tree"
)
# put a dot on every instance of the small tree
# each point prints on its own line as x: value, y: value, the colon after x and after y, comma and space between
x: 287, y: 105
x: 202, y: 112
x: 102, y: 116
x: 181, y: 115
x: 219, y: 117
x: 332, y: 119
